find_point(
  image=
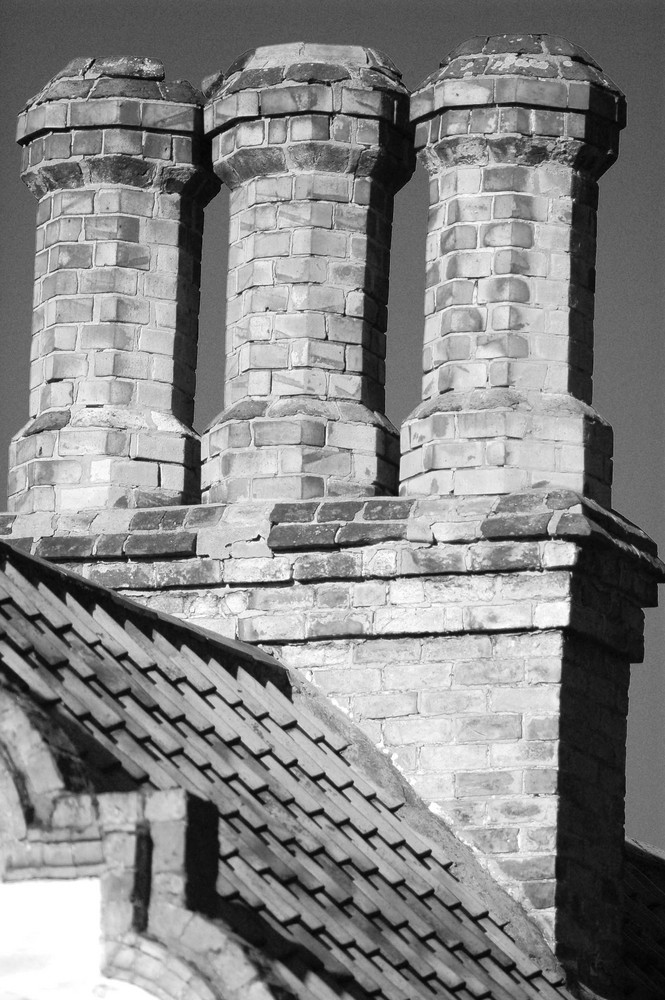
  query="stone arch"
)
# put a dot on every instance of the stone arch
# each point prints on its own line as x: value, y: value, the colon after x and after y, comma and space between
x: 152, y: 967
x: 196, y: 959
x: 30, y: 778
x: 13, y: 820
x: 28, y: 757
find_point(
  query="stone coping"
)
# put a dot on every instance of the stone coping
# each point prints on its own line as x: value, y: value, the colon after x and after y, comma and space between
x: 447, y: 525
x: 529, y: 70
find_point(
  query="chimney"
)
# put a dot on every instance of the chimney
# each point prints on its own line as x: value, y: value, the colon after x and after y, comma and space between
x: 514, y: 132
x: 313, y: 141
x: 530, y: 597
x: 116, y: 157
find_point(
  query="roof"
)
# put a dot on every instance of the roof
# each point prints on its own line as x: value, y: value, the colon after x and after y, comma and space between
x: 644, y: 922
x: 320, y: 839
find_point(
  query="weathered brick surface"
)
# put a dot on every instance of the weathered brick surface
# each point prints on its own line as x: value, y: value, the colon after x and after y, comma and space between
x: 508, y: 340
x: 487, y: 654
x: 483, y: 641
x: 312, y: 168
x: 121, y: 175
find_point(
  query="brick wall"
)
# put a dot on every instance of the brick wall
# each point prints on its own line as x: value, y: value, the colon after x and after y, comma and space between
x: 513, y: 144
x: 115, y: 156
x: 484, y: 643
x: 313, y: 141
x: 479, y: 628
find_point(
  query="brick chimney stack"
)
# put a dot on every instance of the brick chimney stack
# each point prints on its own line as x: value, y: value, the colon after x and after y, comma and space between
x: 313, y: 141
x: 480, y: 628
x: 514, y: 132
x: 116, y: 157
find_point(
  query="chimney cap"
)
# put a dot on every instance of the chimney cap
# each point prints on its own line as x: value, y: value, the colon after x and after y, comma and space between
x: 542, y: 71
x: 544, y: 57
x: 298, y: 63
x: 140, y: 77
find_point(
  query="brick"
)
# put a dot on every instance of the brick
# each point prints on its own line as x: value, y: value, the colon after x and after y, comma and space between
x: 293, y: 512
x: 491, y: 617
x: 68, y: 549
x: 384, y: 706
x: 290, y: 100
x: 449, y: 559
x: 524, y: 752
x: 110, y: 279
x: 300, y: 269
x: 404, y: 731
x: 122, y: 309
x: 369, y: 594
x: 317, y: 297
x: 322, y: 187
x: 327, y: 565
x: 433, y: 786
x: 259, y: 570
x: 178, y: 544
x: 499, y: 234
x: 357, y: 533
x: 55, y: 472
x: 339, y: 510
x: 302, y: 536
x: 454, y: 757
x: 485, y: 783
x: 452, y: 702
x: 112, y: 227
x: 488, y: 671
x: 488, y: 728
x: 502, y: 840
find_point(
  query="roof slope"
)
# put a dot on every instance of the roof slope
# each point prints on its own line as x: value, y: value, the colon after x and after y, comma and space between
x: 644, y: 922
x: 318, y: 853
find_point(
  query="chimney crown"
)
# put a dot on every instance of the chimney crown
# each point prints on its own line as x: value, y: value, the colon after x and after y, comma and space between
x: 112, y: 91
x: 544, y: 71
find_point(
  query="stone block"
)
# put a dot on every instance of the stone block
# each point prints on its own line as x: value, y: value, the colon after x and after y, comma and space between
x: 174, y: 544
x: 302, y: 536
x: 328, y: 565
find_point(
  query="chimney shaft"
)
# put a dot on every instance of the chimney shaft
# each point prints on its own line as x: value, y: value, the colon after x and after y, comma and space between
x: 514, y: 132
x: 116, y: 157
x: 313, y: 141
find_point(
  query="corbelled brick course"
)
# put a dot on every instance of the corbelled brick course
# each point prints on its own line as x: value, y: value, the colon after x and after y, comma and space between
x: 514, y: 141
x: 313, y: 141
x: 116, y: 156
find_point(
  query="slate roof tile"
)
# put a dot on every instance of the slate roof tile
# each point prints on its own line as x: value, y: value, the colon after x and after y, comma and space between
x: 644, y: 923
x: 309, y: 843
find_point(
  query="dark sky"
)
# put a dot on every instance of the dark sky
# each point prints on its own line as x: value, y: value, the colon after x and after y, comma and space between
x: 199, y: 37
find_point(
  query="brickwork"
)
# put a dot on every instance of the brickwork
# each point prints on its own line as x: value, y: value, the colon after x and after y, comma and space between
x: 478, y: 628
x: 116, y: 157
x: 468, y: 637
x: 313, y: 141
x: 514, y: 132
x: 286, y: 799
x: 171, y: 950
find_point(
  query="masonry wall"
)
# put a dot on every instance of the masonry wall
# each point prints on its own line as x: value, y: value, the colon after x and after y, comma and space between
x: 480, y: 627
x: 483, y: 643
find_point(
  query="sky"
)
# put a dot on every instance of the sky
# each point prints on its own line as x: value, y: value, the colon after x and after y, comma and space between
x: 46, y: 957
x: 200, y: 37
